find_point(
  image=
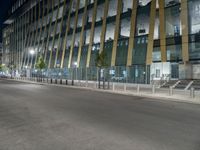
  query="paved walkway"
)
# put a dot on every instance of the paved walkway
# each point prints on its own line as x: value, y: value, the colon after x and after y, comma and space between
x: 131, y: 89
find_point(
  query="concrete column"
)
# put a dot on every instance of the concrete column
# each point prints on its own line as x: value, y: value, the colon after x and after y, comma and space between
x: 30, y: 38
x: 117, y: 32
x: 66, y: 34
x: 54, y: 34
x: 27, y: 34
x: 132, y: 32
x: 36, y: 34
x: 73, y: 36
x: 151, y: 33
x: 33, y: 37
x: 103, y: 31
x: 94, y: 14
x: 49, y: 33
x: 162, y: 30
x: 59, y: 37
x: 45, y: 30
x: 40, y: 32
x: 84, y: 18
x: 184, y: 24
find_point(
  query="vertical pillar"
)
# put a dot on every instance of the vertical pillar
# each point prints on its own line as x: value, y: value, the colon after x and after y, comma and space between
x: 21, y: 40
x: 117, y: 32
x: 103, y: 31
x: 28, y: 32
x: 32, y: 36
x: 54, y: 34
x: 59, y: 37
x: 151, y: 33
x: 40, y: 32
x: 162, y: 30
x: 184, y: 24
x: 66, y: 34
x: 94, y: 14
x: 15, y: 39
x: 82, y: 33
x: 132, y: 32
x: 49, y: 32
x: 73, y: 35
x: 43, y: 47
x: 17, y: 42
x: 36, y: 34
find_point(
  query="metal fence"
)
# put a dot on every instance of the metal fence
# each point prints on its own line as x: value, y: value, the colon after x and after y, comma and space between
x: 135, y: 74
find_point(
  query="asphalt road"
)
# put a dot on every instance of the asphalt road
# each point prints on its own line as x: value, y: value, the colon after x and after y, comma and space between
x: 38, y: 117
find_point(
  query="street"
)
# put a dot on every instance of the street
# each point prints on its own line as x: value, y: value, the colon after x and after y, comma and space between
x: 42, y: 117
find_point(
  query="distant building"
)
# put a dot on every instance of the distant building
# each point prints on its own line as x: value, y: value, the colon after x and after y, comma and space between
x: 143, y: 39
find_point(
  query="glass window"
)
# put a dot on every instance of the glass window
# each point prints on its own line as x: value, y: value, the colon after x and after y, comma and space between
x: 172, y: 21
x: 194, y: 16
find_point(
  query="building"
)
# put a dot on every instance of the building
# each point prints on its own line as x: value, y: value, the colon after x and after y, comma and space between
x: 1, y: 51
x: 143, y: 40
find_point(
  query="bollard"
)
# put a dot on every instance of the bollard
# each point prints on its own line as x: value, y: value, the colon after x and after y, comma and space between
x: 86, y: 83
x: 113, y: 86
x: 138, y: 88
x: 95, y: 85
x: 171, y: 90
x: 55, y: 81
x: 60, y: 81
x: 66, y: 82
x: 72, y: 82
x: 153, y: 89
x: 192, y: 92
x: 51, y: 80
x: 108, y: 85
x: 124, y: 87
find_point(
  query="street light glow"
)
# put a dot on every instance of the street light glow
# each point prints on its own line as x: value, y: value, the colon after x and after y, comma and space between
x: 32, y: 52
x: 75, y: 63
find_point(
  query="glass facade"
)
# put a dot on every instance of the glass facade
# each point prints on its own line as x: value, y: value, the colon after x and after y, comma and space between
x: 68, y: 32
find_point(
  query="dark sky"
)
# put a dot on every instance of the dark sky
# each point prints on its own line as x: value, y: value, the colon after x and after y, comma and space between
x: 4, y: 6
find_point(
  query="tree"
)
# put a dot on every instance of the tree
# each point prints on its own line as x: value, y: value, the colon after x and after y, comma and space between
x: 3, y: 68
x: 40, y: 65
x: 101, y: 62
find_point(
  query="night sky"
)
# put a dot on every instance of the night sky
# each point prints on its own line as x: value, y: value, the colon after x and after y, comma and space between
x: 4, y: 6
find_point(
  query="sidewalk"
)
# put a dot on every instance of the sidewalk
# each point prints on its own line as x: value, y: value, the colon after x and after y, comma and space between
x: 126, y: 89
